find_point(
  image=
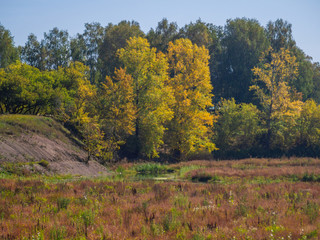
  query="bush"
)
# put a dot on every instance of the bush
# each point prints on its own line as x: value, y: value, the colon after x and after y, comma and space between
x: 44, y: 163
x: 151, y: 168
x: 310, y: 178
x: 204, y: 177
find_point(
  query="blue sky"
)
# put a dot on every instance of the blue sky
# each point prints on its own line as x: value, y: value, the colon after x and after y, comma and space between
x: 23, y: 17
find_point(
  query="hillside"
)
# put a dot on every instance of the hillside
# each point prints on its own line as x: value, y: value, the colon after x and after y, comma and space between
x: 41, y: 144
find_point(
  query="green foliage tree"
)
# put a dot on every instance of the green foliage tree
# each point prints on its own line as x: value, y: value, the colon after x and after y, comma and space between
x: 115, y: 38
x: 93, y: 36
x: 31, y: 52
x: 280, y: 105
x: 57, y: 46
x: 315, y: 94
x: 243, y: 41
x: 279, y: 34
x: 198, y: 33
x: 237, y: 129
x: 25, y: 90
x: 8, y: 52
x: 304, y: 81
x: 163, y: 34
x: 34, y: 53
x: 189, y: 130
x: 78, y: 49
x: 152, y: 97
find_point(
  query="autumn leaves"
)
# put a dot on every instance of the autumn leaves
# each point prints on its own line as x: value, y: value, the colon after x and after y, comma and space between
x: 166, y: 97
x: 157, y: 103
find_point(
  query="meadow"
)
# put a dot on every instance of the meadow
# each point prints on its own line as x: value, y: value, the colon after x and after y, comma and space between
x: 243, y: 199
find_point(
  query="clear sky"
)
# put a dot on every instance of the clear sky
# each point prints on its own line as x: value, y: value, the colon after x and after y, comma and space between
x: 23, y: 17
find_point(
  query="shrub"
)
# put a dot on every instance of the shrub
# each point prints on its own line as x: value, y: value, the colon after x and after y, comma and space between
x: 310, y: 177
x: 44, y: 163
x: 204, y: 177
x: 151, y: 168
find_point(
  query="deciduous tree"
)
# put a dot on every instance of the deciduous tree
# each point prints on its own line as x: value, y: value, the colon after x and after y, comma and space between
x: 280, y: 105
x: 309, y: 125
x: 8, y: 52
x: 279, y: 34
x: 316, y: 82
x: 117, y: 111
x: 93, y: 36
x: 73, y: 82
x: 236, y: 129
x: 25, y: 90
x: 152, y: 97
x: 78, y: 49
x: 243, y: 41
x: 57, y: 46
x: 189, y: 130
x: 116, y: 37
x: 163, y: 34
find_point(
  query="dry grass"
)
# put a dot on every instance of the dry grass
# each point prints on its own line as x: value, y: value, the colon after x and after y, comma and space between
x: 106, y: 209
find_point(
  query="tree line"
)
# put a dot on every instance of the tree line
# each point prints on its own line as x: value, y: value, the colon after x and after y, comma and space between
x: 234, y: 91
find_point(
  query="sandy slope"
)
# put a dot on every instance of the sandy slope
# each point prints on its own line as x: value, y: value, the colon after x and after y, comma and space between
x: 64, y: 155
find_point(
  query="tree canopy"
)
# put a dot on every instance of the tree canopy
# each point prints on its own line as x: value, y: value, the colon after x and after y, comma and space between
x: 237, y: 90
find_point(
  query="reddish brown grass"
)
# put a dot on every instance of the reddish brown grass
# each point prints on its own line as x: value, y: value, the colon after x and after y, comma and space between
x: 168, y: 210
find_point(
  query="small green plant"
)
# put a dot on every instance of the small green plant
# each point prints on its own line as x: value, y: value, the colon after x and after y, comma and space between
x: 242, y: 209
x: 311, y: 209
x: 312, y: 235
x: 38, y: 236
x: 151, y: 168
x: 120, y: 170
x: 185, y: 169
x: 62, y: 203
x: 57, y: 233
x: 171, y: 221
x: 82, y: 201
x: 198, y: 236
x: 44, y: 163
x: 181, y: 201
x: 156, y: 229
x: 87, y: 217
x: 310, y: 178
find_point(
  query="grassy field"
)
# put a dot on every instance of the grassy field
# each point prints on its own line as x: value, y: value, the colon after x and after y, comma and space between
x: 246, y: 199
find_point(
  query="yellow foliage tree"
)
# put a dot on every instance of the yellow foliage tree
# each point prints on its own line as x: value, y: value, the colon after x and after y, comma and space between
x: 121, y: 110
x: 190, y: 80
x: 281, y: 105
x: 309, y: 124
x: 117, y: 110
x: 78, y: 92
x: 93, y: 138
x: 152, y: 97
